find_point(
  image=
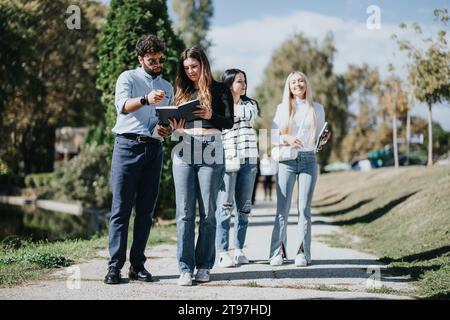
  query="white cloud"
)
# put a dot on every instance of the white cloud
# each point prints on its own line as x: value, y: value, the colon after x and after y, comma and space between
x: 249, y: 44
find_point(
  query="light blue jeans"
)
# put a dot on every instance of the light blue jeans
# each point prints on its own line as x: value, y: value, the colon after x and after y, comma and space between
x: 198, y: 169
x: 304, y: 168
x: 236, y: 189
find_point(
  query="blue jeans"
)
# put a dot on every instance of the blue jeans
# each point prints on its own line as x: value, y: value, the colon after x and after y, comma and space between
x: 304, y: 168
x: 198, y: 168
x: 135, y: 176
x: 237, y: 188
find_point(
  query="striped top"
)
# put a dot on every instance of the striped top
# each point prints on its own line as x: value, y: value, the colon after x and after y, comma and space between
x: 240, y: 141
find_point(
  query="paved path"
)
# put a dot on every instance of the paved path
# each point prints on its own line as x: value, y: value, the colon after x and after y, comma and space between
x: 335, y: 273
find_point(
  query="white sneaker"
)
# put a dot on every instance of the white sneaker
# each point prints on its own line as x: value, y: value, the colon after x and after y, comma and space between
x: 240, y: 258
x: 185, y: 279
x: 300, y: 260
x: 225, y: 260
x: 277, y: 260
x: 202, y: 275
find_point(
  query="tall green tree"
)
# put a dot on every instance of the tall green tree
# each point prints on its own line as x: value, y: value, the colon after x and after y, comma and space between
x: 194, y: 21
x: 429, y: 70
x: 49, y: 72
x: 316, y: 61
x: 128, y: 20
x: 13, y: 55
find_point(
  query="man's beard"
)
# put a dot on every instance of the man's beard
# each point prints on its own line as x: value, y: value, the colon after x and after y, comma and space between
x: 151, y: 72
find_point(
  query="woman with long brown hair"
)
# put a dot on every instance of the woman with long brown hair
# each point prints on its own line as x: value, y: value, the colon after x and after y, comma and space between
x: 198, y: 163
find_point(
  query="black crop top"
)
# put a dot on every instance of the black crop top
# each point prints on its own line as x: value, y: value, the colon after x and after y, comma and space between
x: 222, y: 109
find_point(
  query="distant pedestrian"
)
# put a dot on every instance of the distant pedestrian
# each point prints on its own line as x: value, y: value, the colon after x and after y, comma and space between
x: 268, y: 169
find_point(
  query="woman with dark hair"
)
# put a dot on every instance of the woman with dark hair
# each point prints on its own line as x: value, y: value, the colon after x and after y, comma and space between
x: 241, y: 153
x: 198, y: 167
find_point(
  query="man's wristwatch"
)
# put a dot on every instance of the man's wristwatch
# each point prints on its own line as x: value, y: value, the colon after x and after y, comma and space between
x: 144, y: 100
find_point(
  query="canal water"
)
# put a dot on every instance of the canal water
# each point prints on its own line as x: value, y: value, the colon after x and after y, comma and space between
x: 34, y: 224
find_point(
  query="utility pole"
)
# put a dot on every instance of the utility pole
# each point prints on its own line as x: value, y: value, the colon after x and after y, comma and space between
x: 394, y: 124
x: 408, y: 125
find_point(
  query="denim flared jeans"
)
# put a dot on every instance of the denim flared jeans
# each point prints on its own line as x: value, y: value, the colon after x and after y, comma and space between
x: 304, y: 169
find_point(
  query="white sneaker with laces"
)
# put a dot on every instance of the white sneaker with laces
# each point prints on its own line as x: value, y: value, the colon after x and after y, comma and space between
x: 202, y: 275
x: 225, y: 260
x: 240, y: 258
x: 185, y: 279
x: 277, y: 260
x: 300, y: 260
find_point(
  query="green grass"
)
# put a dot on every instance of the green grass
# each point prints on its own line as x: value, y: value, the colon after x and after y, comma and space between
x: 24, y: 261
x: 35, y: 260
x: 384, y: 290
x: 336, y: 240
x: 400, y: 215
x: 324, y: 287
x: 252, y: 284
x: 162, y: 234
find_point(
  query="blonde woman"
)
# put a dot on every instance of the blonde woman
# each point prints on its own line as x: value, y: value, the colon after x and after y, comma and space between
x: 296, y: 126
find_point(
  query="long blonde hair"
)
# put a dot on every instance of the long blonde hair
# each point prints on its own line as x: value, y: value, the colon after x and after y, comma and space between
x: 185, y: 87
x: 288, y: 107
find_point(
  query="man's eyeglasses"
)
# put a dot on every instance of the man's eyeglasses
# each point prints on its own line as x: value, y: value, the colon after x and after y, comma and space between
x: 154, y: 62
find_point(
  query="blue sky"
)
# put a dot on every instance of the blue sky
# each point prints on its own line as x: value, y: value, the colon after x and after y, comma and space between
x: 240, y: 30
x: 393, y: 11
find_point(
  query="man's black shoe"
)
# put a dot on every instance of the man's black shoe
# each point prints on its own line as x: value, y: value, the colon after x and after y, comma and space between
x: 140, y: 274
x: 113, y: 276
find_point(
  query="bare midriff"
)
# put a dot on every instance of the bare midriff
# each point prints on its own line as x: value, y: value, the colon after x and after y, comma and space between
x: 202, y: 131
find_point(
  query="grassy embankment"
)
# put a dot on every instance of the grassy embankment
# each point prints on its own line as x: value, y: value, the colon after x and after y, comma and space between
x: 402, y: 216
x: 23, y: 261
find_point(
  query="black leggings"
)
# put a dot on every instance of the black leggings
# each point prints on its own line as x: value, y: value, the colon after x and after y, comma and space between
x: 268, y: 186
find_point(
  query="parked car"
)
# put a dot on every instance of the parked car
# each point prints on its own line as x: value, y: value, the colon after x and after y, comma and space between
x: 337, y: 166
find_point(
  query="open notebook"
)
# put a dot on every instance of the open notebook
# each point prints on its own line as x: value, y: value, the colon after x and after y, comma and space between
x: 320, y: 141
x: 183, y: 111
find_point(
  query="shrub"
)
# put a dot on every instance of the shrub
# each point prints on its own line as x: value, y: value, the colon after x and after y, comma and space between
x: 36, y: 180
x: 85, y: 178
